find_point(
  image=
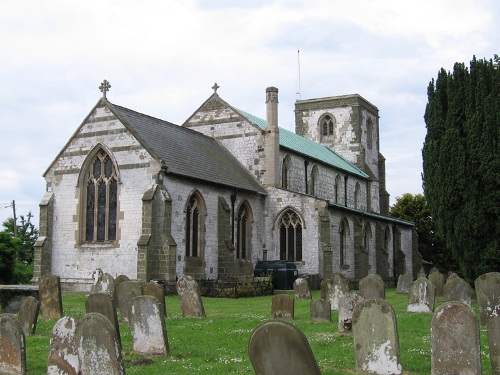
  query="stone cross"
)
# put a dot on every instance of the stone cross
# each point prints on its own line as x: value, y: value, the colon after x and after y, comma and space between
x: 215, y: 87
x: 105, y: 86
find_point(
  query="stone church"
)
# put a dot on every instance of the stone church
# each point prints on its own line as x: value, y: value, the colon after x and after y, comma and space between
x: 135, y: 195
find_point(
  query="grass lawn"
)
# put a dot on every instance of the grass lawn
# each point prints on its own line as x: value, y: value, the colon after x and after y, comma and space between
x: 218, y: 343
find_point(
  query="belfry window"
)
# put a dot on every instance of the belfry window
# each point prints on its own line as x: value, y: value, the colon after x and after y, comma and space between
x: 327, y: 125
x: 290, y: 227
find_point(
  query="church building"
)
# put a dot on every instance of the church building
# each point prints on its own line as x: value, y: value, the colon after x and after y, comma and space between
x: 136, y: 195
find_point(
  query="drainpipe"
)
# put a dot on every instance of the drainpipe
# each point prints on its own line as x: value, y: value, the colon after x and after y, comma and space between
x: 233, y: 200
x: 306, y: 163
x: 346, y: 177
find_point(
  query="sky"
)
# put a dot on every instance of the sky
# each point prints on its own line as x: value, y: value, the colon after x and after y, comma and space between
x: 162, y: 58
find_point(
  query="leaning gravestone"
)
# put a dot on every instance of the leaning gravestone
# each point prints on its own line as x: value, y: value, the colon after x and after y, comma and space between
x: 105, y: 284
x: 277, y: 347
x: 301, y: 288
x: 376, y: 340
x: 404, y: 282
x: 455, y: 346
x: 437, y: 279
x: 28, y: 315
x: 189, y: 294
x: 63, y: 357
x: 12, y: 346
x: 49, y: 288
x: 346, y: 308
x: 488, y: 296
x: 458, y: 289
x: 282, y: 306
x: 493, y: 328
x: 147, y: 326
x: 320, y: 311
x: 126, y: 291
x: 421, y: 296
x: 372, y: 286
x: 156, y: 291
x: 98, y: 346
x: 102, y: 303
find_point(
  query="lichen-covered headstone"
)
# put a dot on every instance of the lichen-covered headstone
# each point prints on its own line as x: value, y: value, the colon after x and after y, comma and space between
x: 147, y: 326
x: 372, y: 286
x: 301, y: 288
x: 488, y: 296
x: 451, y: 276
x: 102, y: 303
x: 12, y: 346
x: 282, y: 306
x: 124, y: 294
x: 63, y: 357
x: 455, y: 346
x: 404, y: 282
x: 277, y: 347
x: 421, y: 296
x: 98, y: 346
x: 457, y: 289
x: 156, y: 291
x: 49, y: 289
x: 105, y: 284
x: 493, y: 329
x: 421, y: 273
x: 320, y: 311
x: 376, y: 342
x: 340, y: 287
x: 190, y: 297
x: 346, y: 309
x: 437, y: 279
x: 28, y: 315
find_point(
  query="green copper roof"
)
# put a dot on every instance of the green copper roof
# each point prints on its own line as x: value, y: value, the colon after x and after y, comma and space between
x: 308, y: 148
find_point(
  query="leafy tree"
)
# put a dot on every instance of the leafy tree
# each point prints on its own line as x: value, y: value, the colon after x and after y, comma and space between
x: 461, y: 163
x: 9, y: 245
x: 27, y: 233
x: 430, y: 242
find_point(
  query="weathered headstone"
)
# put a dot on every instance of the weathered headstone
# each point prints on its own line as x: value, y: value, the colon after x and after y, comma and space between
x: 372, y: 286
x: 282, y: 306
x: 437, y: 279
x: 124, y: 294
x: 421, y: 296
x: 105, y: 284
x: 421, y: 273
x: 488, y: 296
x: 147, y: 326
x: 346, y: 309
x: 102, y: 303
x: 301, y: 288
x: 458, y: 289
x: 493, y: 329
x: 404, y: 282
x: 189, y: 294
x: 277, y: 347
x: 12, y: 346
x: 98, y: 346
x: 340, y: 287
x: 28, y: 315
x: 49, y: 287
x: 120, y: 279
x: 376, y: 341
x: 63, y: 357
x: 321, y: 311
x: 451, y: 276
x: 455, y: 346
x: 156, y: 291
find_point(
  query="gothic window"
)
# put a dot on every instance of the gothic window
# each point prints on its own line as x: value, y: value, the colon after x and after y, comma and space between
x: 338, y: 189
x: 314, y: 180
x: 367, y: 237
x: 290, y: 227
x: 343, y: 233
x: 194, y: 224
x: 285, y: 171
x: 244, y: 232
x: 357, y: 196
x: 327, y: 125
x: 369, y: 134
x: 101, y: 197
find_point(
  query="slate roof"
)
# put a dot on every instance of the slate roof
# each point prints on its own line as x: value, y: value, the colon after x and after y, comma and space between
x: 187, y: 152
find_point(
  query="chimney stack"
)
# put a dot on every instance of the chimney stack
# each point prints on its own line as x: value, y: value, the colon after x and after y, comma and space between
x: 272, y: 139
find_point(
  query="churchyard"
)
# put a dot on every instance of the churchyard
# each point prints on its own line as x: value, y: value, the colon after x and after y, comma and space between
x: 218, y: 343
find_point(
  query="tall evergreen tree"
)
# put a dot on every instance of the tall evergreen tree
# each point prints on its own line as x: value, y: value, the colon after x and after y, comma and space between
x: 461, y: 163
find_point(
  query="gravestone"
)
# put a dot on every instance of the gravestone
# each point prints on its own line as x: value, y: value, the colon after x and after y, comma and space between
x: 277, y: 347
x: 321, y: 311
x: 346, y: 309
x: 190, y: 297
x: 437, y: 279
x: 376, y: 342
x: 404, y: 282
x: 124, y: 294
x: 455, y: 346
x: 421, y: 296
x: 96, y: 275
x: 63, y: 356
x: 147, y: 326
x: 156, y: 291
x: 340, y: 286
x: 372, y: 286
x: 49, y: 288
x: 493, y: 329
x: 488, y: 296
x: 120, y: 279
x: 451, y: 276
x: 421, y: 273
x: 98, y: 346
x: 102, y: 303
x: 301, y: 288
x: 282, y: 306
x: 12, y: 346
x: 457, y: 289
x: 28, y: 315
x: 105, y: 284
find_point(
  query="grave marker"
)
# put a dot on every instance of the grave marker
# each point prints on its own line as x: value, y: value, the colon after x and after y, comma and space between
x: 28, y: 315
x: 282, y: 306
x: 372, y: 286
x: 488, y: 296
x: 49, y: 287
x: 458, y: 289
x: 321, y: 311
x: 189, y: 294
x: 346, y: 309
x: 404, y: 282
x: 124, y: 294
x: 102, y: 303
x: 63, y: 356
x: 421, y: 296
x: 105, y: 284
x: 156, y: 291
x: 12, y: 346
x: 493, y: 329
x: 437, y: 279
x: 301, y: 288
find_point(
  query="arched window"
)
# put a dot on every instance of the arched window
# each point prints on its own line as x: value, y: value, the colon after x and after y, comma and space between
x: 314, y: 180
x: 194, y: 225
x: 357, y: 195
x: 290, y: 227
x: 344, y: 236
x: 327, y: 125
x: 101, y: 198
x: 367, y: 237
x: 338, y: 189
x: 244, y: 222
x: 369, y: 133
x: 285, y: 171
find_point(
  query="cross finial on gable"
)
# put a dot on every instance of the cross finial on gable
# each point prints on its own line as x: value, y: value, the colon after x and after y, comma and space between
x: 215, y: 87
x: 105, y: 86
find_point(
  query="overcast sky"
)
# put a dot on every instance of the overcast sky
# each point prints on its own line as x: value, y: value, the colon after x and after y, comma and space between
x: 162, y: 58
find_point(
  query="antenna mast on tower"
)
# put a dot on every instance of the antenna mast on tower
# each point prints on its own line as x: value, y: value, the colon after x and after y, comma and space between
x: 298, y: 75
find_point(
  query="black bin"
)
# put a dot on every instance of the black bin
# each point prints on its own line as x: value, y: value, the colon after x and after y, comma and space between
x: 284, y: 273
